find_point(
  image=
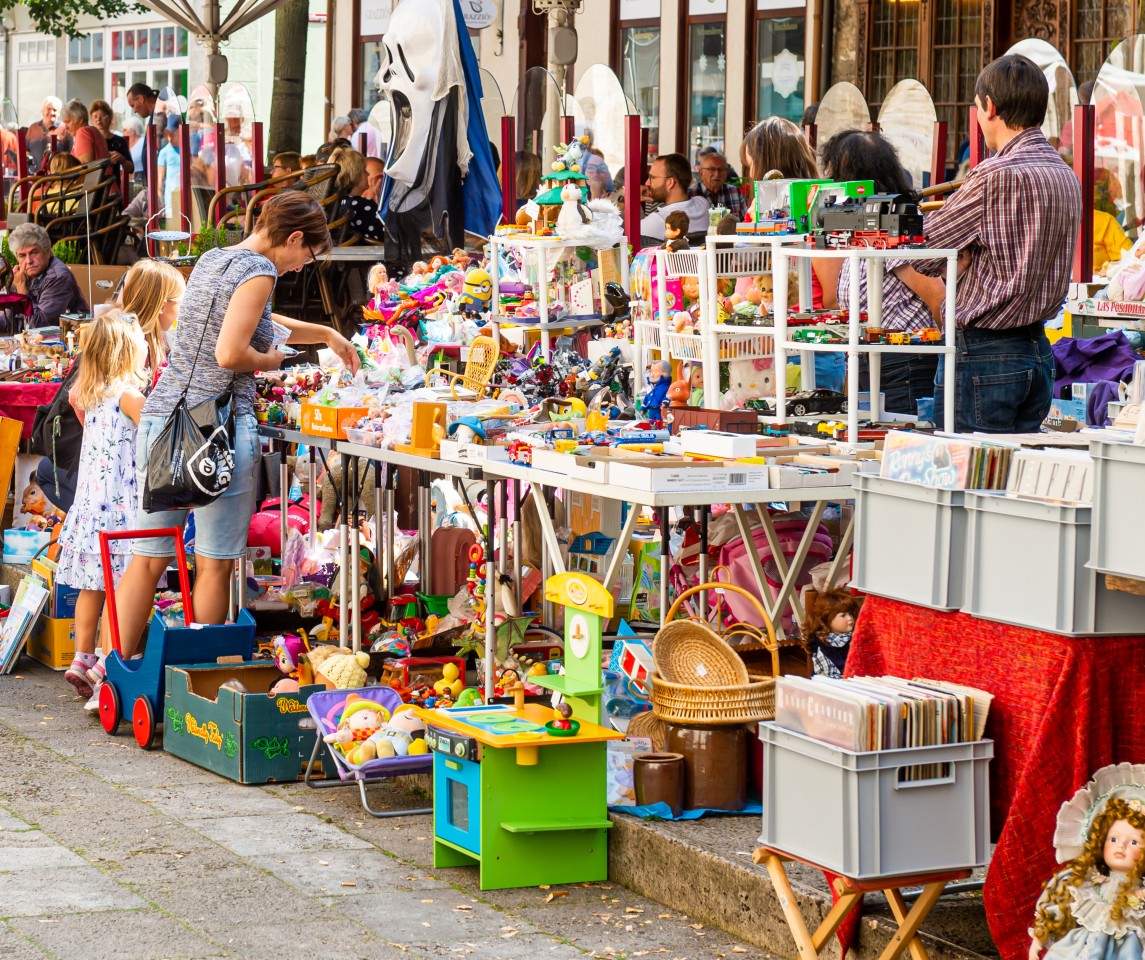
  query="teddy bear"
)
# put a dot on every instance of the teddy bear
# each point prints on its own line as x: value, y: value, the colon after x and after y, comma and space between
x: 360, y: 720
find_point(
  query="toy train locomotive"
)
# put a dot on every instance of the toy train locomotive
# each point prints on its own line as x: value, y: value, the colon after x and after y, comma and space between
x: 883, y: 220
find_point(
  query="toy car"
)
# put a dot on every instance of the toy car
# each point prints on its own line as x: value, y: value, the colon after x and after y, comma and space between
x: 898, y: 339
x: 927, y: 335
x: 817, y: 401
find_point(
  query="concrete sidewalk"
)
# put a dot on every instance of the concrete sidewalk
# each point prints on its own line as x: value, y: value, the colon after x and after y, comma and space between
x: 108, y: 851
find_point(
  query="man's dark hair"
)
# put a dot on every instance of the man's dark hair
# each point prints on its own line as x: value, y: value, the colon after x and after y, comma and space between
x: 1018, y: 88
x: 810, y: 112
x: 677, y: 167
x: 142, y: 90
x: 864, y: 155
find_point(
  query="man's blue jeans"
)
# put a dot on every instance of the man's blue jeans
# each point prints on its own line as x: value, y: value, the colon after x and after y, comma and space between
x: 1004, y: 381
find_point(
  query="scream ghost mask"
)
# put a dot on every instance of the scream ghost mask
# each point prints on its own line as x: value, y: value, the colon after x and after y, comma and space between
x: 422, y: 65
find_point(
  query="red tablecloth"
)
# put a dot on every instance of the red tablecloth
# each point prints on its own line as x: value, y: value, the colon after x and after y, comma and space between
x: 1063, y: 707
x: 18, y: 401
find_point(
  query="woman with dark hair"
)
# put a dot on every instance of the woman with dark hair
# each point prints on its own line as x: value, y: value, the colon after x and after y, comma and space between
x: 911, y: 301
x: 226, y: 331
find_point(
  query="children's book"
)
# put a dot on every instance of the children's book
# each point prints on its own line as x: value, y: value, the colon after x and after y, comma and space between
x: 31, y: 596
x: 929, y: 461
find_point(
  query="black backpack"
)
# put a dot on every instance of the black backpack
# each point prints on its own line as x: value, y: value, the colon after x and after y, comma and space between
x: 57, y: 432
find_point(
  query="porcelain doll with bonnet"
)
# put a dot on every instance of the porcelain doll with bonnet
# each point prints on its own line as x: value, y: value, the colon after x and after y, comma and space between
x: 828, y: 630
x: 1094, y: 906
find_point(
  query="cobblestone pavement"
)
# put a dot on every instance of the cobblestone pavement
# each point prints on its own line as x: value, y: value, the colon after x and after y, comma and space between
x: 108, y: 851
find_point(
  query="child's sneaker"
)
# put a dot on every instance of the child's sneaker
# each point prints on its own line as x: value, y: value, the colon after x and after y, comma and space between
x: 92, y: 706
x: 97, y: 672
x: 77, y: 675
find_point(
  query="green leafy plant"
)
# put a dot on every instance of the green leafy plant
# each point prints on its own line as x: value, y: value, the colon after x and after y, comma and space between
x: 66, y: 250
x: 6, y: 252
x: 208, y: 239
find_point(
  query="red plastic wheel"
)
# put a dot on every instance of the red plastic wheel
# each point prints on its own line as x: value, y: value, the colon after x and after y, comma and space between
x: 143, y: 723
x: 109, y: 715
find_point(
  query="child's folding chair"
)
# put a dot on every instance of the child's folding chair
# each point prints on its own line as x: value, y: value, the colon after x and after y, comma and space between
x: 325, y: 711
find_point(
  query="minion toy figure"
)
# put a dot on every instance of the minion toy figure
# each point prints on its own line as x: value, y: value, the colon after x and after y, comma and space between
x: 476, y: 293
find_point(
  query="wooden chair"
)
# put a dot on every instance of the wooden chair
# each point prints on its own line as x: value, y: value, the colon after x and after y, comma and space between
x: 479, y: 366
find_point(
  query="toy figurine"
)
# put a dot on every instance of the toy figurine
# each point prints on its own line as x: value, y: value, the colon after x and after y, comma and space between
x: 659, y: 379
x: 571, y: 155
x: 476, y: 293
x: 573, y: 213
x: 676, y: 231
x: 695, y: 384
x: 828, y: 631
x: 289, y: 651
x: 1094, y: 906
x: 678, y: 393
x: 360, y: 720
x: 381, y: 286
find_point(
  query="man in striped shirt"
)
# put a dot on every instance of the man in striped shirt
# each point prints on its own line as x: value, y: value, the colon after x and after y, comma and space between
x: 1015, y: 222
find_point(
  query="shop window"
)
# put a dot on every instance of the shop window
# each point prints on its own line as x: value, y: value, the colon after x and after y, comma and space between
x: 1097, y: 26
x: 372, y: 55
x: 779, y: 65
x: 939, y: 43
x: 640, y: 75
x: 704, y: 84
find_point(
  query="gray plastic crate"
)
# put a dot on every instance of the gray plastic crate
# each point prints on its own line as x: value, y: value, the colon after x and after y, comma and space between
x: 1118, y: 535
x: 850, y: 813
x: 1026, y: 565
x: 910, y: 542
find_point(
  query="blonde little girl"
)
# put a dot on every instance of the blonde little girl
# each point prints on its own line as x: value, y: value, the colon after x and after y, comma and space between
x: 109, y: 389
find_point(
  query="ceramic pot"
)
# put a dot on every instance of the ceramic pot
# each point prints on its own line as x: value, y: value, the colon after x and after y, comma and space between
x: 716, y: 762
x: 660, y: 779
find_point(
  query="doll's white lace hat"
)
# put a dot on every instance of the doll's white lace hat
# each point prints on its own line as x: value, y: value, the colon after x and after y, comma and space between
x: 1125, y: 781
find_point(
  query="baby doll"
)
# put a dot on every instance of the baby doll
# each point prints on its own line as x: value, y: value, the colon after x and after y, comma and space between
x: 361, y: 719
x: 828, y: 631
x: 1094, y: 906
x: 694, y: 373
x: 676, y: 231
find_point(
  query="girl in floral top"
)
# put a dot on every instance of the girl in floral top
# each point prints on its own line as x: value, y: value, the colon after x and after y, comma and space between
x: 109, y: 389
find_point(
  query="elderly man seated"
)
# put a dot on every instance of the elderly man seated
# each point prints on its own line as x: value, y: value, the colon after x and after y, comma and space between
x: 43, y: 278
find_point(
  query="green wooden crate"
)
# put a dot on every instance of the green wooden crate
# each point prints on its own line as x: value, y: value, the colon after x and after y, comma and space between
x: 247, y: 737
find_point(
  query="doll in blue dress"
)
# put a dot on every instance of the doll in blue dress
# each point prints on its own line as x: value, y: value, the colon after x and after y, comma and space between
x: 1094, y: 907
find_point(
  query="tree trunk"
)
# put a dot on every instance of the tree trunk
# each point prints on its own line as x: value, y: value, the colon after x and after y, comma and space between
x: 291, y: 25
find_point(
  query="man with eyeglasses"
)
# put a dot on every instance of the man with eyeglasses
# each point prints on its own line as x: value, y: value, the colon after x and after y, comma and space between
x: 713, y: 184
x: 668, y: 180
x: 285, y: 163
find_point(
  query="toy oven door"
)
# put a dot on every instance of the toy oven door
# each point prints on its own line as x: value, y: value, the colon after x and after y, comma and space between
x: 457, y: 801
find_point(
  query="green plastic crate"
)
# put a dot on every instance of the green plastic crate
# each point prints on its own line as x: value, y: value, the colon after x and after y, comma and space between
x: 247, y: 737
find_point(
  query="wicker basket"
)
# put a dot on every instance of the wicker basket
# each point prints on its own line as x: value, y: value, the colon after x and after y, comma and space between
x: 713, y: 706
x: 688, y: 652
x: 647, y: 724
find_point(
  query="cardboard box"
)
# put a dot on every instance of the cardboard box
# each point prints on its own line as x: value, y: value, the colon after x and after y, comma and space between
x: 329, y: 421
x: 246, y: 737
x: 21, y: 545
x: 53, y: 642
x: 592, y: 466
x: 473, y: 452
x: 718, y: 443
x: 665, y: 475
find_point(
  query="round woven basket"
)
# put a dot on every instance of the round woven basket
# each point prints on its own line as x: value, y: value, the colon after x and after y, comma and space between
x: 689, y: 652
x: 713, y: 706
x: 647, y: 724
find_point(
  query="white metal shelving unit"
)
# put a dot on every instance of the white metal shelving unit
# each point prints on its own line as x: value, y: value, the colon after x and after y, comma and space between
x: 541, y: 248
x: 856, y: 326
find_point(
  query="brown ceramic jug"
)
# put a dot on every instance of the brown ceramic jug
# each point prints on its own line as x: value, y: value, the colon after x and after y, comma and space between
x: 716, y: 762
x: 660, y: 779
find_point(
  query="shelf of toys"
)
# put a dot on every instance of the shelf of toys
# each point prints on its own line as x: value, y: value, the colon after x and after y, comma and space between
x: 555, y: 289
x: 861, y: 319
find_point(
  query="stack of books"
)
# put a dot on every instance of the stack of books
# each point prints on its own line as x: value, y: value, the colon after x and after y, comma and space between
x: 862, y: 714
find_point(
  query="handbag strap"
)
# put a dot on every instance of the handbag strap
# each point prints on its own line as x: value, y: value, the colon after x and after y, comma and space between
x: 203, y: 335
